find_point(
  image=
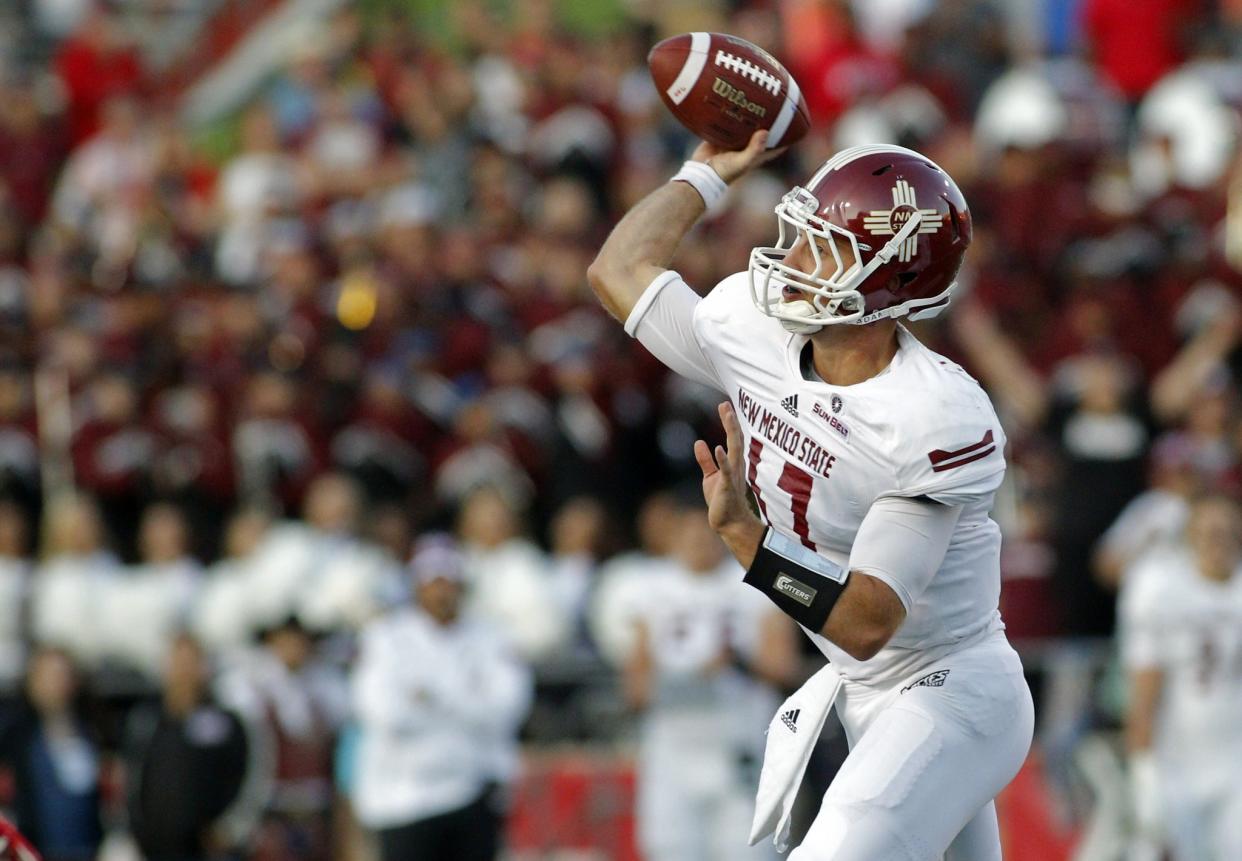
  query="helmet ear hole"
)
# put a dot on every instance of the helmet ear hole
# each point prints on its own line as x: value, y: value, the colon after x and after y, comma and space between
x: 905, y: 278
x: 881, y: 170
x: 953, y: 225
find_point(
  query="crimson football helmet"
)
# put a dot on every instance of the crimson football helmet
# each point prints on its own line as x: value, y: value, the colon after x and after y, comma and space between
x: 905, y: 221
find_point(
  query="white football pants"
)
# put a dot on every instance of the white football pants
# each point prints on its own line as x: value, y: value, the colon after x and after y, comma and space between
x: 694, y: 800
x: 1204, y: 826
x: 926, y: 761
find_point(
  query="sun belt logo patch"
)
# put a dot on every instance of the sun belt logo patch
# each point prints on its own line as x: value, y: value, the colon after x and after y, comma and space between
x: 887, y: 222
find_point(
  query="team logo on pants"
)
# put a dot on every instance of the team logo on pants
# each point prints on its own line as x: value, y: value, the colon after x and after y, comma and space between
x: 931, y: 680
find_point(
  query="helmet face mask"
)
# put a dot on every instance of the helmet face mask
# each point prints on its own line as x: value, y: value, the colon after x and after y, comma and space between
x: 830, y: 286
x: 902, y: 258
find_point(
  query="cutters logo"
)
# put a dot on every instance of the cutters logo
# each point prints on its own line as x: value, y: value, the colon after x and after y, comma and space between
x: 887, y: 222
x: 800, y: 592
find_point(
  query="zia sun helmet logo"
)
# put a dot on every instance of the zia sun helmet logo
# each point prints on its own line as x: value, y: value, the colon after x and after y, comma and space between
x: 887, y: 222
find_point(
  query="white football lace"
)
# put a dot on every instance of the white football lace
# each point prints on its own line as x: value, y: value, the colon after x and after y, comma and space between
x: 747, y: 69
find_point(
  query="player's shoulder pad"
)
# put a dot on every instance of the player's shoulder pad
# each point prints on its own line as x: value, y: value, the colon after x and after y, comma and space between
x: 729, y: 298
x: 729, y: 310
x: 951, y: 444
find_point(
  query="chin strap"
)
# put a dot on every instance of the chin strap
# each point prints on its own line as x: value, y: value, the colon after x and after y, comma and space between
x: 893, y: 245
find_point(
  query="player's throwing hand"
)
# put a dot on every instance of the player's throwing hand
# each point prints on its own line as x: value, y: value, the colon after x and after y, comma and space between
x: 731, y: 164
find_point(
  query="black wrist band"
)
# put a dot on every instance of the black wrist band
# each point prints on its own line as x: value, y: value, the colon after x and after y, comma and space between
x: 803, y: 584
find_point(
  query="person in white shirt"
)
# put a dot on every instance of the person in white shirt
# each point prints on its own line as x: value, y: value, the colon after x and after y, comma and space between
x: 142, y: 611
x: 1155, y: 518
x: 873, y: 464
x: 509, y: 576
x: 75, y: 572
x: 1181, y: 642
x: 622, y: 578
x: 708, y: 654
x: 439, y: 698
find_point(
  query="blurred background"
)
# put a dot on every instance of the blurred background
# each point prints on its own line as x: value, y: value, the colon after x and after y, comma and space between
x: 287, y: 286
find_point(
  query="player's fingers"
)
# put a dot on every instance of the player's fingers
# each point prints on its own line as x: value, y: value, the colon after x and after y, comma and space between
x: 732, y: 428
x: 703, y: 455
x: 771, y: 154
x: 722, y: 458
x: 758, y: 143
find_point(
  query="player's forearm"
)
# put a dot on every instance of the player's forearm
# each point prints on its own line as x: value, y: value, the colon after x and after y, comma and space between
x: 642, y: 245
x: 1140, y: 724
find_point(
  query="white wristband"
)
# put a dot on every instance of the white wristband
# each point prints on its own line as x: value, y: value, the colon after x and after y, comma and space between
x: 703, y: 178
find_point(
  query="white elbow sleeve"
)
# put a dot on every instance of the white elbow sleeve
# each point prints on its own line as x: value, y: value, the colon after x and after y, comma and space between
x: 902, y: 542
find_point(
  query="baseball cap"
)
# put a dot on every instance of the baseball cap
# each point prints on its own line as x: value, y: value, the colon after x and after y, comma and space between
x: 436, y: 556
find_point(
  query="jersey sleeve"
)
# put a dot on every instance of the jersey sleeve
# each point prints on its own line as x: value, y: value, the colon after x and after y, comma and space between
x: 902, y: 542
x: 664, y: 322
x: 954, y: 453
x: 1145, y: 609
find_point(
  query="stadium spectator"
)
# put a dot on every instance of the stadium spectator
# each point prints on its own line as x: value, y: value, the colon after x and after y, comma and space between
x: 319, y: 570
x: 74, y: 570
x: 1154, y: 519
x: 142, y: 611
x: 54, y: 760
x: 1182, y: 614
x: 294, y: 703
x: 707, y: 663
x: 223, y: 617
x: 509, y: 576
x: 102, y: 193
x: 578, y: 536
x: 439, y: 698
x: 1134, y: 51
x: 96, y: 63
x: 15, y: 575
x: 623, y: 579
x: 32, y: 147
x: 186, y: 764
x: 19, y: 450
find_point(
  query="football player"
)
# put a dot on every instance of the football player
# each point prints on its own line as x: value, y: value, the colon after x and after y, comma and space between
x: 872, y: 462
x: 1181, y: 638
x: 707, y: 651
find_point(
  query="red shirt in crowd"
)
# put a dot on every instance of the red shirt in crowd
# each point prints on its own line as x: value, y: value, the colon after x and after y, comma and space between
x: 92, y: 74
x: 1136, y: 41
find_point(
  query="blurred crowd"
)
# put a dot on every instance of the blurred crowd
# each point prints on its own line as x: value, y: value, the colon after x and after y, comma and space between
x: 238, y: 382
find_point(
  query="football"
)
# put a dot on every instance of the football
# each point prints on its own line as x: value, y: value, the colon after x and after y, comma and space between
x: 724, y: 88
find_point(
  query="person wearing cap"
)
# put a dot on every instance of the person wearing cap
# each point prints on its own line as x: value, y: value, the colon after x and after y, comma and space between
x: 439, y: 697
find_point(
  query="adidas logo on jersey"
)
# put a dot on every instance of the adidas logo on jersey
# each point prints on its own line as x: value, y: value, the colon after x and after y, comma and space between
x: 790, y: 719
x: 791, y: 405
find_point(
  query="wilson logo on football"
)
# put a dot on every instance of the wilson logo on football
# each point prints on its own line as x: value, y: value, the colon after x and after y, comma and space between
x: 733, y: 95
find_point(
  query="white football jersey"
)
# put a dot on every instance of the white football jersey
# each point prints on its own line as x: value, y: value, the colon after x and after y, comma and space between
x: 1190, y: 627
x: 693, y: 623
x: 819, y: 455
